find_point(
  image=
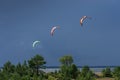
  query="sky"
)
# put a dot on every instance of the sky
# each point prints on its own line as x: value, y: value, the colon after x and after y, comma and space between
x: 97, y: 43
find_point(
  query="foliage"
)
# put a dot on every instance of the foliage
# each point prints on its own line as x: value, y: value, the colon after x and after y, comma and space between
x: 51, y: 77
x: 107, y: 72
x: 86, y: 74
x: 25, y: 71
x: 3, y: 76
x: 15, y: 76
x: 8, y: 67
x: 31, y: 70
x: 68, y: 70
x: 35, y: 63
x: 74, y: 71
x: 85, y: 70
x: 66, y: 60
x: 116, y: 73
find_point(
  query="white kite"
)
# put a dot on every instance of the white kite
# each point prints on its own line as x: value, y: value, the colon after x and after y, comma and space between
x: 34, y: 43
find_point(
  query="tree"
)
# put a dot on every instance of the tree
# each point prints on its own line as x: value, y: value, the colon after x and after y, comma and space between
x: 15, y: 76
x: 116, y: 73
x: 85, y: 70
x: 19, y: 69
x: 51, y: 77
x: 3, y: 76
x: 107, y: 72
x: 66, y: 60
x: 7, y: 70
x: 68, y: 69
x: 8, y: 67
x: 22, y: 69
x: 74, y: 71
x: 36, y: 62
x: 86, y: 74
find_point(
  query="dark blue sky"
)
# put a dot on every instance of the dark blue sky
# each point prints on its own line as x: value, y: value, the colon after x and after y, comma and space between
x: 24, y: 21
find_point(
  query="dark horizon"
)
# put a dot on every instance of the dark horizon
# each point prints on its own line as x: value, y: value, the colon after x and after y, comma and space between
x: 80, y: 66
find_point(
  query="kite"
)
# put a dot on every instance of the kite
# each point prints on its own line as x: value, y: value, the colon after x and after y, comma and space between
x: 53, y: 29
x: 82, y: 19
x: 34, y: 43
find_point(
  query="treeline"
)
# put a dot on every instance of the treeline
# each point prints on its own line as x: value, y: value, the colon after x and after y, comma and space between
x: 32, y: 70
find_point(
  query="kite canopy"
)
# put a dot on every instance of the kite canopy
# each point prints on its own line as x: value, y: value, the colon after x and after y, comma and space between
x: 82, y: 19
x: 53, y: 29
x: 34, y: 43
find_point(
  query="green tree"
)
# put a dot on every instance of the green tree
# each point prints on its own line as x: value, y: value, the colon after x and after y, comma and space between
x: 19, y: 69
x: 116, y: 73
x: 15, y: 76
x: 68, y: 69
x: 22, y: 69
x: 74, y: 71
x: 86, y: 74
x: 107, y: 72
x: 51, y: 77
x: 7, y: 71
x: 85, y: 70
x: 36, y: 62
x: 66, y: 60
x: 8, y: 67
x: 3, y: 76
x: 26, y: 69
